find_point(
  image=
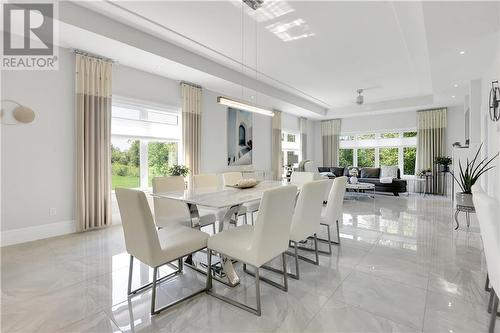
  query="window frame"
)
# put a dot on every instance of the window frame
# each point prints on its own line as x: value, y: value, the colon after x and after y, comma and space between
x: 351, y: 141
x: 144, y: 107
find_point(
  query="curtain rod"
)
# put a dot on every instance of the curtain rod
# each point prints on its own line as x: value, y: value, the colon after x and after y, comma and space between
x: 93, y: 55
x: 191, y: 84
x: 433, y: 109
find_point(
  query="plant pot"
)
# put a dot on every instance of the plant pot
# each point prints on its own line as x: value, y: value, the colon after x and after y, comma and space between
x: 444, y: 168
x: 464, y: 199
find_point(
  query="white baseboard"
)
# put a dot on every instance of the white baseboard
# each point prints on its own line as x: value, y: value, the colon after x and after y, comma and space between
x: 16, y: 236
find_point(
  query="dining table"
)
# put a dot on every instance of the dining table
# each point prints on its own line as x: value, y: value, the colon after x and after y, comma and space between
x: 228, y: 199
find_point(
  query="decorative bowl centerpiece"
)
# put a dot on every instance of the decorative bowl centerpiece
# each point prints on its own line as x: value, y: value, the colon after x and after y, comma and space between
x: 244, y: 183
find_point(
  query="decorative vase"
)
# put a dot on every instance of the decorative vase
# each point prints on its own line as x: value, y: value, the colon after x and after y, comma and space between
x: 353, y: 180
x: 464, y: 199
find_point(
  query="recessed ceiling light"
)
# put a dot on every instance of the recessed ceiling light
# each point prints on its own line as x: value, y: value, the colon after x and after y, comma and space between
x: 461, y: 52
x: 456, y: 85
x: 453, y: 96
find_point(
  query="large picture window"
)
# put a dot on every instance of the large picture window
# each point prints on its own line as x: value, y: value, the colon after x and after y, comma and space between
x: 290, y: 143
x: 346, y: 157
x: 145, y: 140
x: 388, y: 148
x: 366, y: 158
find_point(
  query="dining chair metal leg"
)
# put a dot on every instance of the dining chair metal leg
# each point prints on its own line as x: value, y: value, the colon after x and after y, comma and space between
x: 209, y: 289
x: 316, y: 251
x: 329, y: 240
x: 130, y: 269
x: 153, y: 296
x: 283, y: 287
x: 493, y: 316
x: 251, y: 216
x: 487, y: 283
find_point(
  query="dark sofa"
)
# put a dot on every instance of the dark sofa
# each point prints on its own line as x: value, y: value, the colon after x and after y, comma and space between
x: 368, y: 175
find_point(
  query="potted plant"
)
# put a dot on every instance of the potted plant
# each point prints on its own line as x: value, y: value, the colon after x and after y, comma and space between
x: 468, y: 176
x: 424, y: 172
x: 178, y: 170
x: 443, y: 162
x: 353, y: 172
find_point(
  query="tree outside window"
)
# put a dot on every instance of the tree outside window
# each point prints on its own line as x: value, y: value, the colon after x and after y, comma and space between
x: 346, y: 157
x: 409, y: 159
x: 389, y: 135
x: 366, y: 137
x: 409, y: 134
x: 388, y: 156
x: 366, y: 158
x: 125, y: 163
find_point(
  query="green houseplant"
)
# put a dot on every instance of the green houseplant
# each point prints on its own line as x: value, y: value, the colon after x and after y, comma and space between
x: 178, y: 170
x: 468, y: 176
x: 443, y: 162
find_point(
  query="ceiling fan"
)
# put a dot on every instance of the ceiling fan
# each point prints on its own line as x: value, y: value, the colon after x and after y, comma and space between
x: 360, y: 99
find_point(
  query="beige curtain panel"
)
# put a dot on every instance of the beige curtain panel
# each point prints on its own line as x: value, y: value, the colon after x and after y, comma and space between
x: 93, y: 142
x: 431, y: 128
x: 330, y: 132
x: 303, y: 137
x: 276, y: 154
x: 191, y: 126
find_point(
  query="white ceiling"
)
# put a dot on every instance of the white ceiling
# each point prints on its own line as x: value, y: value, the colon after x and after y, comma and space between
x: 409, y: 51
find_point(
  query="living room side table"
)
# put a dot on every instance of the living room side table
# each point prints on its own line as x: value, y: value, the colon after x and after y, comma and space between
x: 465, y: 209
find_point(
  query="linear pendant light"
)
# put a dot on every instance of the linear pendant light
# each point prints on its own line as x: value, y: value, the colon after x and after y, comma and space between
x: 243, y: 106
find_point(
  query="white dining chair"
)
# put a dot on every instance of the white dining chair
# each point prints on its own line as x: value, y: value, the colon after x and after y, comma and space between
x: 488, y: 210
x: 305, y: 223
x: 232, y: 178
x: 153, y: 247
x: 210, y: 182
x: 334, y: 210
x: 256, y: 245
x: 301, y: 177
x: 168, y: 211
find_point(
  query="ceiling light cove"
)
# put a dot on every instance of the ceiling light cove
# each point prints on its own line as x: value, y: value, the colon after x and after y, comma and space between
x: 290, y: 31
x: 243, y: 106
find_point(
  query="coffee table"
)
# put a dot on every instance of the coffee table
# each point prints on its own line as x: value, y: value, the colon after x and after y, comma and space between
x: 361, y: 188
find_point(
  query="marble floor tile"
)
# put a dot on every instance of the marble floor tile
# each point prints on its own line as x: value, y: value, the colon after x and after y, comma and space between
x: 386, y: 298
x: 98, y: 323
x: 446, y: 314
x: 340, y: 317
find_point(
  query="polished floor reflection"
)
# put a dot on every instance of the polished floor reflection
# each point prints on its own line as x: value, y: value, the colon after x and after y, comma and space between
x: 401, y: 268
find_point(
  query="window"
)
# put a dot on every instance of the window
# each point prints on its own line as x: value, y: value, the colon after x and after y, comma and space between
x: 388, y: 156
x: 291, y: 149
x: 409, y: 134
x: 144, y: 142
x: 125, y: 163
x: 366, y: 158
x: 346, y: 157
x: 389, y: 135
x: 366, y: 137
x: 346, y: 137
x: 409, y: 157
x: 387, y: 148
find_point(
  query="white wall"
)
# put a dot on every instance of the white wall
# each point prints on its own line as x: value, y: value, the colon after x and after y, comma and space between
x: 389, y: 121
x: 455, y: 130
x: 38, y: 158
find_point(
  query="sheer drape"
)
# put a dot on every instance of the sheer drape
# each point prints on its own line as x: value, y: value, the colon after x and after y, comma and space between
x: 93, y: 142
x: 330, y: 132
x: 276, y: 154
x: 191, y: 126
x: 303, y: 137
x: 431, y: 129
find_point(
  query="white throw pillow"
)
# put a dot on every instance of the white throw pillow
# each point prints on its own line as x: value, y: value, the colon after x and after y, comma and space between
x: 389, y: 172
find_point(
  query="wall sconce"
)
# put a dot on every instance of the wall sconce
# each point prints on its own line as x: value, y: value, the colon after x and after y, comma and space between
x: 494, y: 101
x: 16, y: 113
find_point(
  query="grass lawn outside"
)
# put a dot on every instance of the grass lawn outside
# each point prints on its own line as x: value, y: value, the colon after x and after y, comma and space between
x: 124, y: 181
